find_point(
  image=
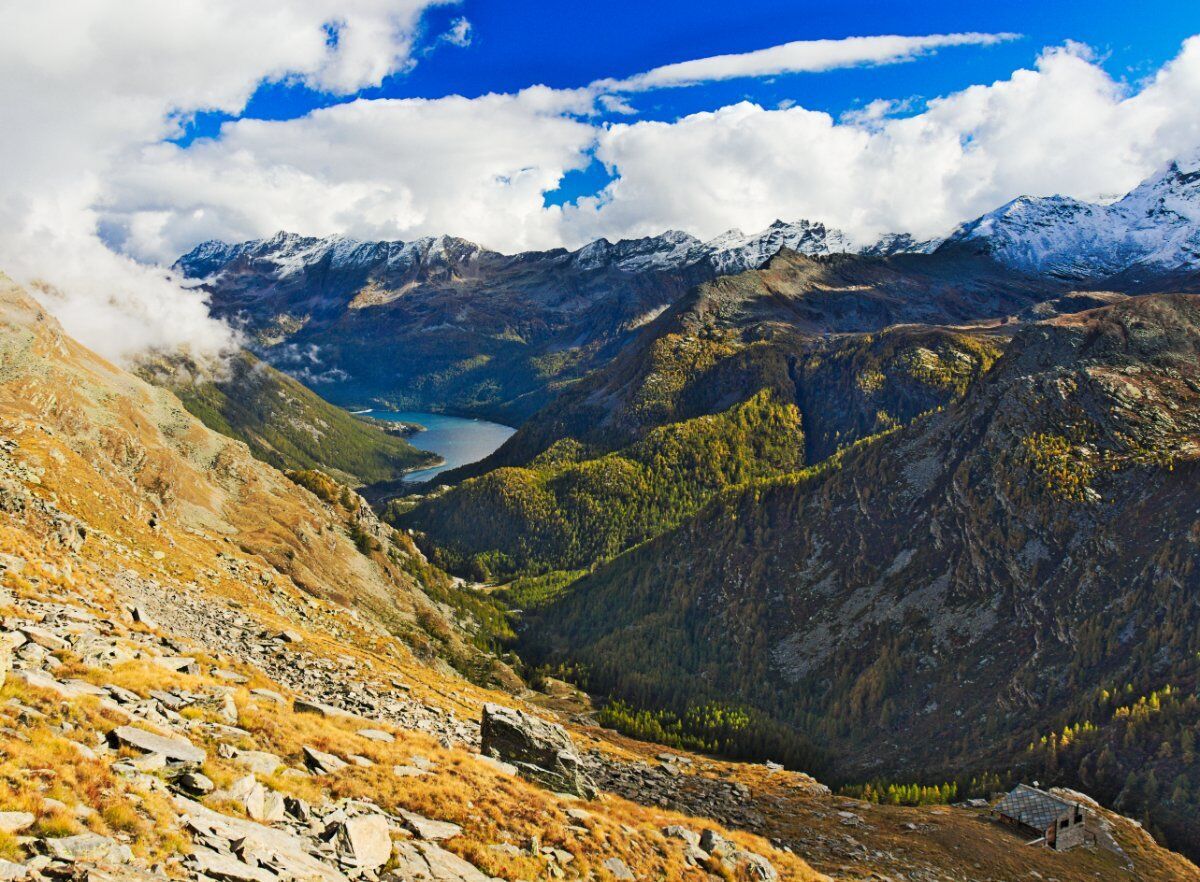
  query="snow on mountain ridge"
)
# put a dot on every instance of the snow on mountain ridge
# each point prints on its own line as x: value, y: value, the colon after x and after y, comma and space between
x: 1156, y: 225
x: 730, y: 252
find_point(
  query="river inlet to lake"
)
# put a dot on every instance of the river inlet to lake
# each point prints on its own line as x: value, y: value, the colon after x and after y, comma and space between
x: 457, y: 440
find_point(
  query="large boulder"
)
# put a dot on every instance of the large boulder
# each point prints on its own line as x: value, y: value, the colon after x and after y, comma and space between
x: 542, y: 751
x: 365, y: 841
x: 175, y: 748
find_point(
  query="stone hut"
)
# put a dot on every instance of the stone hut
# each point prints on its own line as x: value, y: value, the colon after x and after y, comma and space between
x: 1058, y: 823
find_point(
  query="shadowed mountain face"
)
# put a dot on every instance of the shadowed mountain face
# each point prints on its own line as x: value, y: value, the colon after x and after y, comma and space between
x: 445, y: 323
x: 749, y: 376
x: 943, y: 595
x: 767, y: 323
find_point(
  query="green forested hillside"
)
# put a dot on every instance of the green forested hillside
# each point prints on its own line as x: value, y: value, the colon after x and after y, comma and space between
x: 648, y: 441
x: 285, y: 423
x: 933, y: 601
x: 565, y: 511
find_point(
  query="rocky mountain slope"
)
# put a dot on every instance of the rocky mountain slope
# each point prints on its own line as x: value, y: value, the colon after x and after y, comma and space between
x: 749, y: 376
x: 148, y: 460
x: 945, y: 595
x: 445, y: 323
x: 213, y: 672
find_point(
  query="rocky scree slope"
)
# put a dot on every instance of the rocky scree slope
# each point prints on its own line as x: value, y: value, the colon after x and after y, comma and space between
x: 153, y: 461
x: 204, y: 677
x: 944, y: 595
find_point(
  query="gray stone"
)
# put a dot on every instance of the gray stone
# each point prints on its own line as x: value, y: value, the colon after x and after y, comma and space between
x: 288, y: 852
x: 195, y: 783
x: 180, y: 664
x: 618, y: 868
x: 258, y: 761
x: 172, y: 747
x: 38, y: 680
x: 15, y: 822
x: 541, y: 751
x: 268, y: 695
x: 274, y: 808
x: 323, y: 763
x: 6, y: 657
x: 249, y: 794
x: 44, y: 638
x: 297, y: 808
x: 429, y: 829
x: 428, y: 862
x: 365, y: 841
x: 142, y: 617
x: 377, y: 735
x: 86, y: 847
x: 302, y: 706
x: 212, y: 864
x: 752, y: 866
x: 715, y: 844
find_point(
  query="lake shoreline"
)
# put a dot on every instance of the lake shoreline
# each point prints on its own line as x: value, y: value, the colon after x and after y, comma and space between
x: 456, y: 441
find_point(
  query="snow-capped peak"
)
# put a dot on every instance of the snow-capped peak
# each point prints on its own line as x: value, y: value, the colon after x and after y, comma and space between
x: 1157, y: 226
x: 288, y: 254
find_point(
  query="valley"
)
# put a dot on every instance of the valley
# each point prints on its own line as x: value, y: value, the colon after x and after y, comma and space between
x: 477, y: 441
x: 827, y: 493
x: 214, y: 672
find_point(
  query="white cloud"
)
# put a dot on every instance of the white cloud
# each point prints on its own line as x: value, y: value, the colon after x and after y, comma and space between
x: 89, y: 97
x: 479, y: 167
x: 370, y: 169
x: 1063, y: 127
x: 800, y: 56
x: 460, y: 33
x: 85, y: 84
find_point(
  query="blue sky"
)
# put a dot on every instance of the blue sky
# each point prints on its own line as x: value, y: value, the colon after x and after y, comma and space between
x: 519, y: 43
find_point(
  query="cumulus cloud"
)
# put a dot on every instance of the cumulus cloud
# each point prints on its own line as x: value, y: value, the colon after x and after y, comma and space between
x: 479, y: 168
x: 1064, y: 126
x: 395, y: 168
x: 93, y: 194
x: 86, y: 84
x: 799, y: 56
x: 459, y: 34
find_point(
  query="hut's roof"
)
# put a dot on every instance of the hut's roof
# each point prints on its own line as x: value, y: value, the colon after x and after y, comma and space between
x: 1032, y: 807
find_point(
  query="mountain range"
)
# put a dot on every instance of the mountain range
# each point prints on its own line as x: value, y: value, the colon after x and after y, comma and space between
x: 443, y: 323
x: 917, y: 509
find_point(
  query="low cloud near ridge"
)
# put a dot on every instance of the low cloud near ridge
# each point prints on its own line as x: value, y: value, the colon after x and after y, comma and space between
x: 85, y: 85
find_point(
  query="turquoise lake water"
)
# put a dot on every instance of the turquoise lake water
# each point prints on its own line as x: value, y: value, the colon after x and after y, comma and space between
x: 457, y: 440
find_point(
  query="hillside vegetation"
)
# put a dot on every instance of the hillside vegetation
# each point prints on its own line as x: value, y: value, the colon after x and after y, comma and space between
x: 284, y: 423
x: 628, y: 452
x: 932, y: 601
